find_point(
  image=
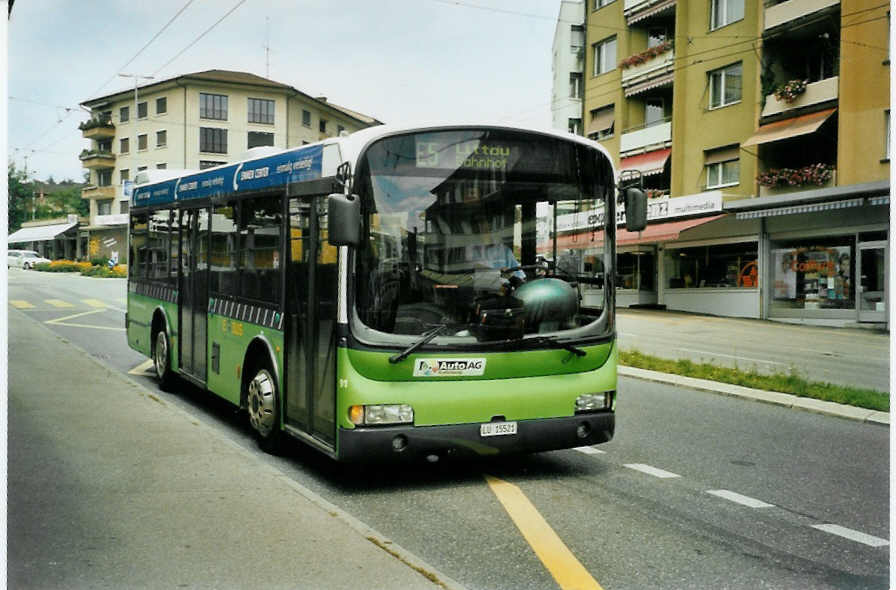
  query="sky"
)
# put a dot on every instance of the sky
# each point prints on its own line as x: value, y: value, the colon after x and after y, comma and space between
x: 395, y: 60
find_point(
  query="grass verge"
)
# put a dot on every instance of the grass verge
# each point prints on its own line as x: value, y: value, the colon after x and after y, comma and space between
x: 781, y: 382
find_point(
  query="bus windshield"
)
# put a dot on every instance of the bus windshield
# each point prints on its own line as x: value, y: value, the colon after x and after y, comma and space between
x: 460, y: 230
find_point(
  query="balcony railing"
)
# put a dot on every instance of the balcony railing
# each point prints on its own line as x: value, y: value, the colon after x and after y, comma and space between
x: 815, y: 93
x: 766, y: 191
x: 789, y: 11
x: 97, y: 159
x: 98, y: 192
x: 653, y: 68
x: 653, y: 137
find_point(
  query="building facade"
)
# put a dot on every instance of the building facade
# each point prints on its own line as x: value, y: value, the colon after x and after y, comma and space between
x: 760, y: 131
x: 568, y: 67
x: 190, y: 122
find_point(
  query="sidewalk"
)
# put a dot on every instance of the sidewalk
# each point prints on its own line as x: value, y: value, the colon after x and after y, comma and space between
x: 110, y: 487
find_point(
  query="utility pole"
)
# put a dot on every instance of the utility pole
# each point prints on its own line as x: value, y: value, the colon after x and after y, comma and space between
x: 137, y: 78
x: 267, y: 47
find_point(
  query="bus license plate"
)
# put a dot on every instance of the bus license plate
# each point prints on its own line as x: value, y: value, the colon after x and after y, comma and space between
x: 497, y: 428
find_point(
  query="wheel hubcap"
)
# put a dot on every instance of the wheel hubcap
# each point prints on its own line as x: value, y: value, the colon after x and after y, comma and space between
x: 261, y: 403
x: 161, y: 355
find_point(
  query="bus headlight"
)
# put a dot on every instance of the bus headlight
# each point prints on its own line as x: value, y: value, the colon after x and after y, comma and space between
x: 593, y: 402
x: 381, y: 414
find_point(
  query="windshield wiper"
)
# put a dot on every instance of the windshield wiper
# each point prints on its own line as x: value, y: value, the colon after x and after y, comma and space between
x: 397, y: 358
x: 552, y: 342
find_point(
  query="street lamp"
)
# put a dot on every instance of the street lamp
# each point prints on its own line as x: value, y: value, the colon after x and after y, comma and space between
x: 137, y: 78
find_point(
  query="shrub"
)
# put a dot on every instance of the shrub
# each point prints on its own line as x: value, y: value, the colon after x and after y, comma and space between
x: 104, y: 272
x: 62, y: 266
x: 99, y: 260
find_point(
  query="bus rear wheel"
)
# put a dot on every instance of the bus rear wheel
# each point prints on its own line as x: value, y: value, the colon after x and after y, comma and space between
x: 263, y: 404
x: 161, y: 360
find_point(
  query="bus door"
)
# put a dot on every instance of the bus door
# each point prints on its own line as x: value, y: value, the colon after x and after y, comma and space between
x: 193, y: 289
x: 310, y: 399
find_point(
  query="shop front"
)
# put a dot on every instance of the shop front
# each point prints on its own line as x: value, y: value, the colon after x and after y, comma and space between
x: 827, y: 252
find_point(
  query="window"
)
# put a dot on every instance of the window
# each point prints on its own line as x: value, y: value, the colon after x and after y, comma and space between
x: 124, y: 114
x: 604, y: 56
x: 162, y: 166
x: 153, y: 257
x: 203, y: 164
x: 123, y: 206
x: 887, y: 134
x: 655, y: 36
x: 142, y: 110
x: 306, y: 118
x: 161, y: 105
x: 602, y: 3
x: 259, y: 249
x: 725, y: 12
x: 104, y: 177
x: 339, y: 129
x: 124, y: 145
x: 258, y: 138
x: 104, y: 207
x: 725, y: 86
x: 141, y: 168
x: 125, y: 175
x: 161, y: 138
x: 577, y: 38
x: 141, y: 142
x: 654, y: 111
x: 212, y: 106
x: 224, y: 276
x: 814, y: 273
x: 716, y: 266
x: 602, y: 122
x: 322, y: 126
x: 261, y: 110
x: 722, y: 167
x: 575, y: 85
x: 212, y: 140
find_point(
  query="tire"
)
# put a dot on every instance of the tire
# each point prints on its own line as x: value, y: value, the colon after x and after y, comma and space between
x: 26, y: 266
x: 161, y: 360
x: 263, y: 406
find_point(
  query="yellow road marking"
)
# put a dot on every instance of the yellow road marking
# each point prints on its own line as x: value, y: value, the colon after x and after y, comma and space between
x: 58, y: 303
x: 553, y: 553
x: 95, y: 303
x: 142, y: 369
x: 20, y: 304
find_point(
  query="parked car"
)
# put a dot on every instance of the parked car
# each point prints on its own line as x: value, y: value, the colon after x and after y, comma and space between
x: 25, y: 259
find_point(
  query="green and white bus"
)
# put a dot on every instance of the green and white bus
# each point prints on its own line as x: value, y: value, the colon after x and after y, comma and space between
x: 395, y: 293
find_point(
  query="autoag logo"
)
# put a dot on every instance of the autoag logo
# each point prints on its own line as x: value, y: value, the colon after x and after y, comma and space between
x: 449, y: 367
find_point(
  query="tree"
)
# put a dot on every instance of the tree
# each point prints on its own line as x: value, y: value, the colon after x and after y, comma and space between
x: 19, y: 197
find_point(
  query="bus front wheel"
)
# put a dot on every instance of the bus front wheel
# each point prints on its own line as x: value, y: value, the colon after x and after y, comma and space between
x: 161, y: 360
x: 264, y: 409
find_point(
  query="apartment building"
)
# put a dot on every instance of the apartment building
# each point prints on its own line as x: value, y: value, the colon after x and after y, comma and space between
x: 568, y: 67
x: 760, y: 131
x: 191, y: 122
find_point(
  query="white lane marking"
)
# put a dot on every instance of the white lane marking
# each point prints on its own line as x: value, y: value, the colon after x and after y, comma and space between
x: 143, y: 369
x: 852, y: 535
x: 651, y: 470
x: 740, y: 499
x: 589, y: 450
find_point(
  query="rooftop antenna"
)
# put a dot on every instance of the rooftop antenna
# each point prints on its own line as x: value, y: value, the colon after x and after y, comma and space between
x: 267, y: 47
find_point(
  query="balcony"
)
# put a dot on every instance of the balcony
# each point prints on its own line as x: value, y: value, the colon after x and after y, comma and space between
x: 794, y: 10
x: 98, y: 192
x: 654, y: 72
x: 93, y: 159
x: 815, y: 93
x: 654, y: 137
x: 97, y: 128
x: 637, y: 10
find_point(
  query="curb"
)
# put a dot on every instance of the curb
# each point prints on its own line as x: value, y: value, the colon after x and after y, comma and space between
x: 770, y: 397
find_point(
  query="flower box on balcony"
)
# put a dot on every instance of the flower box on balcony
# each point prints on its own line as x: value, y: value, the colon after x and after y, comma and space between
x: 645, y: 56
x: 787, y: 180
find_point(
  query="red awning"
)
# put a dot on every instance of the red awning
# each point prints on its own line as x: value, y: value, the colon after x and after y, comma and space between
x: 788, y: 128
x: 655, y: 233
x: 649, y: 163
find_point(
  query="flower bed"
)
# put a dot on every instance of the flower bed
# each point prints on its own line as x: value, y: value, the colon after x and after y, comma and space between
x: 816, y: 174
x: 87, y: 269
x: 645, y: 56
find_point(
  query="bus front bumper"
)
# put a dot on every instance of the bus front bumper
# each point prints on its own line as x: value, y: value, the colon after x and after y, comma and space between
x: 401, y: 443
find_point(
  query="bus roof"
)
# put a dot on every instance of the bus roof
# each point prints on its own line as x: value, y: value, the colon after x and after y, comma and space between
x: 309, y: 162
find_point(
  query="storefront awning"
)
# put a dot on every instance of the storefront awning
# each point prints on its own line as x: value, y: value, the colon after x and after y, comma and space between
x: 811, y: 208
x: 788, y: 128
x: 653, y: 234
x: 41, y: 233
x: 649, y: 163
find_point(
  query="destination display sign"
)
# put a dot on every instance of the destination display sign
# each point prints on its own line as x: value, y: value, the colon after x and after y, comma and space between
x: 298, y: 165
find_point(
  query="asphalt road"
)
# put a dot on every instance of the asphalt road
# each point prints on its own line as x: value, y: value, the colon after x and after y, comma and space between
x: 696, y: 491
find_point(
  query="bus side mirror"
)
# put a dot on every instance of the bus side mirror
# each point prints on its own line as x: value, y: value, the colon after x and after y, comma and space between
x: 344, y: 220
x: 635, y: 209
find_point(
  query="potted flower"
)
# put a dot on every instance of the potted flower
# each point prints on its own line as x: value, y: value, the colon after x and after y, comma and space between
x: 644, y: 56
x: 790, y: 91
x: 814, y: 174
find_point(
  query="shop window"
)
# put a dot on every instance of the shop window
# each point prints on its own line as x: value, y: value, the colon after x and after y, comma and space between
x: 727, y: 266
x: 635, y: 270
x: 813, y: 273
